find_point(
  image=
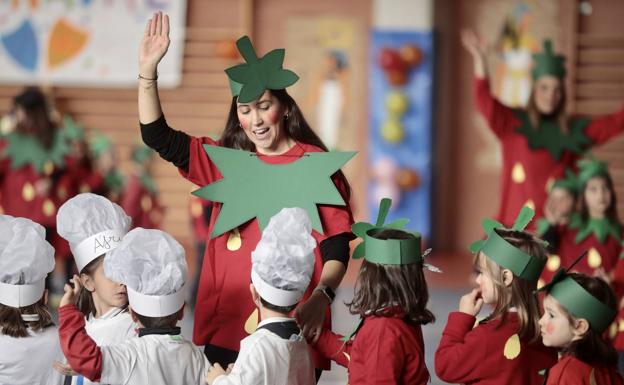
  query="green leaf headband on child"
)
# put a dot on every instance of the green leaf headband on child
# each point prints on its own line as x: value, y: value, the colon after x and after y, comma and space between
x: 588, y: 168
x: 548, y: 63
x: 568, y: 182
x: 578, y: 301
x: 249, y: 80
x: 389, y: 251
x: 504, y: 253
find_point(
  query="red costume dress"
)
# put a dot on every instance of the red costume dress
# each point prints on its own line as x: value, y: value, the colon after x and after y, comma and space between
x: 533, y: 159
x: 571, y: 371
x: 491, y: 353
x: 225, y: 312
x: 385, y: 350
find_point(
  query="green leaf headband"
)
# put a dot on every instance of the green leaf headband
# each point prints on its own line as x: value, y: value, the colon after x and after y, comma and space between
x: 249, y: 80
x: 388, y: 251
x: 590, y: 167
x: 547, y: 63
x: 504, y: 253
x: 568, y: 182
x: 72, y: 130
x: 578, y: 301
x: 141, y: 153
x: 99, y: 144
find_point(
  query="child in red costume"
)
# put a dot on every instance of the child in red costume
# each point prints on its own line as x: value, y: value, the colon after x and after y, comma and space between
x: 574, y: 324
x: 391, y: 298
x: 539, y: 142
x: 505, y: 348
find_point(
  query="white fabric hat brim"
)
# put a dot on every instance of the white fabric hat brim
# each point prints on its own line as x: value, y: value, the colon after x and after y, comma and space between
x: 274, y: 295
x: 156, y: 305
x: 21, y: 295
x: 96, y: 245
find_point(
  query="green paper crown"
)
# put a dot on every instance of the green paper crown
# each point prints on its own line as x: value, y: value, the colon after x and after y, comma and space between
x: 504, y: 253
x: 386, y: 251
x: 141, y: 153
x: 569, y: 182
x: 72, y: 130
x: 590, y: 167
x: 249, y: 80
x: 578, y: 301
x: 99, y: 144
x: 547, y: 63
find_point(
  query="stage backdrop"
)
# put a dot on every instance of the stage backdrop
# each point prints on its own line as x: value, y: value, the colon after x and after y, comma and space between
x: 84, y: 43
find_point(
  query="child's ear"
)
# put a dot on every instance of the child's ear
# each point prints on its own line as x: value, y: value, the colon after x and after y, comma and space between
x: 508, y: 277
x: 254, y: 294
x: 87, y: 281
x: 580, y: 328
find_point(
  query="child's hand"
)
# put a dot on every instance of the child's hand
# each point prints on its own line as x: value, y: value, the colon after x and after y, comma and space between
x: 71, y: 293
x: 64, y: 369
x: 229, y: 369
x: 471, y: 303
x: 213, y: 372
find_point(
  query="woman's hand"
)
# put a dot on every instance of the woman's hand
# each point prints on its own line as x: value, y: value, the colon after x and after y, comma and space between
x: 154, y: 44
x: 71, y: 293
x: 310, y: 316
x: 471, y: 303
x: 477, y: 48
x: 213, y: 372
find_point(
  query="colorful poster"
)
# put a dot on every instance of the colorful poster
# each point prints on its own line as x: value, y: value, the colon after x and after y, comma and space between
x: 400, y: 136
x: 84, y: 43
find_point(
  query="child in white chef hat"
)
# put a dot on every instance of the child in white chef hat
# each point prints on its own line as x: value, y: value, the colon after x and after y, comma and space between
x: 29, y: 342
x: 152, y: 266
x: 282, y: 267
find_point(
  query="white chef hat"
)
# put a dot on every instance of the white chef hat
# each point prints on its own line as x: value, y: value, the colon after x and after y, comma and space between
x: 283, y: 261
x: 92, y: 225
x: 26, y: 258
x: 153, y: 267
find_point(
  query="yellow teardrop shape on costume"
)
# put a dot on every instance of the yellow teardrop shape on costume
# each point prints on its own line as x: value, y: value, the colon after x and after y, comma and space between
x: 252, y: 322
x: 512, y: 347
x: 234, y: 241
x: 1, y: 211
x: 28, y: 192
x: 540, y: 283
x: 621, y: 325
x: 146, y: 203
x: 85, y: 188
x: 196, y: 208
x: 553, y: 262
x: 613, y: 330
x: 48, y: 168
x: 530, y: 204
x: 592, y: 377
x: 517, y: 173
x: 594, y: 260
x: 549, y: 183
x: 48, y: 208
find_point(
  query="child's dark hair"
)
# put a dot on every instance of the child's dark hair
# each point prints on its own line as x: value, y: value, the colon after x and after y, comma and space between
x: 611, y: 212
x: 380, y: 285
x: 279, y: 309
x: 85, y: 298
x: 12, y: 324
x: 520, y: 294
x: 592, y: 348
x: 159, y: 322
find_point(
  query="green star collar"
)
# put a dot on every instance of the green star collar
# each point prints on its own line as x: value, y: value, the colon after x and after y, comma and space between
x: 504, y: 253
x: 27, y: 150
x: 600, y: 228
x: 72, y: 130
x: 99, y: 144
x: 248, y: 81
x: 549, y: 135
x: 548, y: 63
x: 114, y: 181
x: 148, y: 183
x: 251, y: 188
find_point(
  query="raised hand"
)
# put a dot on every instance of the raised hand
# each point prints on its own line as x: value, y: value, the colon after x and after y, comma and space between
x: 471, y: 303
x: 477, y: 48
x: 70, y: 297
x: 154, y: 44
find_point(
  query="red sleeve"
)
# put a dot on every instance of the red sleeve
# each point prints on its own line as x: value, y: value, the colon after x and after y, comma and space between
x: 330, y: 346
x: 336, y: 219
x: 462, y: 350
x: 604, y: 128
x: 82, y: 353
x: 500, y: 118
x: 202, y: 170
x: 384, y: 357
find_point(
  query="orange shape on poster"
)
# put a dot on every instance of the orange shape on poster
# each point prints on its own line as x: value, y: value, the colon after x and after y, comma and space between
x: 66, y: 41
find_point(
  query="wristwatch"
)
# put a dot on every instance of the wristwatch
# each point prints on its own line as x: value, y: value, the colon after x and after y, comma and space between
x: 327, y: 292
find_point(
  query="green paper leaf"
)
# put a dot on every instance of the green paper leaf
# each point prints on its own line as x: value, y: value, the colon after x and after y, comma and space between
x: 384, y: 208
x: 238, y: 73
x: 303, y: 183
x: 252, y: 90
x: 358, y: 252
x: 476, y: 246
x: 274, y: 59
x: 360, y: 228
x: 281, y: 79
x: 398, y: 223
x: 523, y: 218
x: 491, y: 224
x: 246, y: 50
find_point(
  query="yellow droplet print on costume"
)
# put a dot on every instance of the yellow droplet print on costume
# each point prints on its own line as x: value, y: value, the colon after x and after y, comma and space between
x: 48, y: 168
x: 146, y: 203
x: 512, y: 347
x: 540, y: 283
x: 28, y: 192
x: 84, y: 188
x: 530, y: 204
x: 594, y: 259
x: 234, y: 241
x: 554, y: 262
x: 517, y: 173
x: 621, y: 325
x: 252, y: 322
x: 48, y: 208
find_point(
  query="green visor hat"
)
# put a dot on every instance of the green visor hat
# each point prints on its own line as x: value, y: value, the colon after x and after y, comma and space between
x: 578, y: 301
x: 588, y: 168
x: 389, y: 251
x: 249, y: 80
x: 504, y: 253
x: 548, y: 63
x: 141, y: 153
